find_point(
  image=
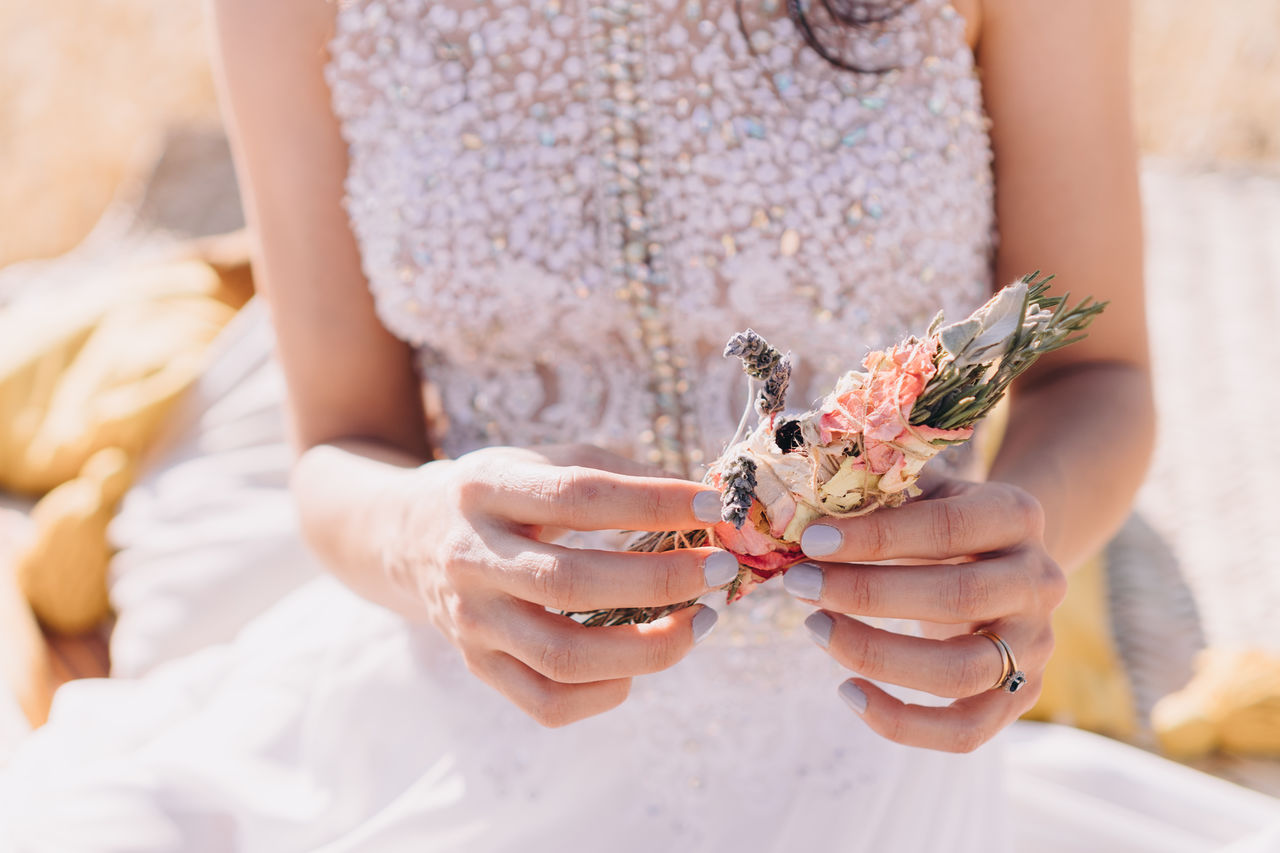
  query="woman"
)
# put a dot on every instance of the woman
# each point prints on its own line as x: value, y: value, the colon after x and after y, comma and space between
x: 551, y: 215
x: 457, y: 542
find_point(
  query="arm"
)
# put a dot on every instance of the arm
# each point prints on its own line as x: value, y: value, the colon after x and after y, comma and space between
x: 355, y: 409
x: 1082, y: 420
x: 456, y: 542
x: 991, y: 555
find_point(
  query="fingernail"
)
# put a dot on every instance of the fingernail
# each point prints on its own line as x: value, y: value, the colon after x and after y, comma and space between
x: 703, y: 621
x: 820, y: 625
x: 720, y: 568
x: 819, y: 540
x: 803, y: 580
x: 854, y: 697
x: 706, y: 507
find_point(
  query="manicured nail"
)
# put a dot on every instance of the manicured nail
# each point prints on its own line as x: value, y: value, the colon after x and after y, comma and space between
x: 803, y: 580
x: 819, y: 540
x: 703, y: 621
x: 720, y: 568
x: 820, y: 625
x: 706, y: 507
x: 854, y: 697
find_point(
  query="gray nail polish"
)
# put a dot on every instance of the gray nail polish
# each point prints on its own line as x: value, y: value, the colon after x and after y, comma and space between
x: 819, y: 540
x: 706, y: 507
x: 803, y: 580
x: 720, y: 568
x: 854, y: 697
x: 819, y: 625
x: 703, y: 621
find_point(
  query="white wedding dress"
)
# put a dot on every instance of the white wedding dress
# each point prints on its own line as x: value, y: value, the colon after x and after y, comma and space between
x: 567, y: 206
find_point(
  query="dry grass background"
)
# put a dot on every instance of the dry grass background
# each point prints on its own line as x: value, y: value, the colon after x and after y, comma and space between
x: 86, y: 89
x: 88, y: 86
x: 1207, y: 79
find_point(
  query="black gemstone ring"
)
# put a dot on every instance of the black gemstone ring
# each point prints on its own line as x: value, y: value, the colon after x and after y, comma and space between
x: 1015, y: 682
x: 1011, y: 678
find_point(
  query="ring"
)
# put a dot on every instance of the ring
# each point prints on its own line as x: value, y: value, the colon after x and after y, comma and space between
x: 1011, y: 678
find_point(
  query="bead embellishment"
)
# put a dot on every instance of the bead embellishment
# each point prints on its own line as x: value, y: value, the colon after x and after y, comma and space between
x: 640, y: 270
x: 579, y: 196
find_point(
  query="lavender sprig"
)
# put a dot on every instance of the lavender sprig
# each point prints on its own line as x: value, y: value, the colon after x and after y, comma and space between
x: 739, y: 490
x: 763, y: 363
x: 773, y: 396
x: 758, y: 358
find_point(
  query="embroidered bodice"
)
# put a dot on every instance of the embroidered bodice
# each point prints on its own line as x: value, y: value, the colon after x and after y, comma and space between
x: 568, y: 206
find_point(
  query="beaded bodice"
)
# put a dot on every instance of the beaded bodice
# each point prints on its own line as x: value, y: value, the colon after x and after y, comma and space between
x: 567, y: 206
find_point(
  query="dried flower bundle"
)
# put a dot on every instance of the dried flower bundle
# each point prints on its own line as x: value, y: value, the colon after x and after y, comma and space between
x: 865, y: 444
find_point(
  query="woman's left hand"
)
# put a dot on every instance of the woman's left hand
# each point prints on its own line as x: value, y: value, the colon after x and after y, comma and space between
x: 981, y: 564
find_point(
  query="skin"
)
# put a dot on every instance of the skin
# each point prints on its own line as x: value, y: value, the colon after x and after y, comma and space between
x: 463, y: 543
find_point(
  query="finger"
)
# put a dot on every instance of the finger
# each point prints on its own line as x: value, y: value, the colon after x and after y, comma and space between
x: 950, y: 592
x: 577, y: 579
x: 976, y: 522
x: 962, y: 726
x: 591, y: 456
x: 564, y: 651
x: 549, y: 703
x: 959, y: 666
x: 583, y: 498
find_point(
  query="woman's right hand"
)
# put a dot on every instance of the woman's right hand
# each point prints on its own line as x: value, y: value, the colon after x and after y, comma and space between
x: 466, y: 540
x: 474, y: 548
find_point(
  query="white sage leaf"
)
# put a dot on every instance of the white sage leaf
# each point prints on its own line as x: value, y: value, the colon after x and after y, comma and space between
x: 998, y: 320
x: 959, y: 335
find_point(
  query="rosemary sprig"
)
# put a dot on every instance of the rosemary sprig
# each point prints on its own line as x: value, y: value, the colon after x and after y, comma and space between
x: 961, y: 392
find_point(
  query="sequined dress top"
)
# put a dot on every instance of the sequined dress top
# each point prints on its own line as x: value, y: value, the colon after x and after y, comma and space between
x: 568, y: 206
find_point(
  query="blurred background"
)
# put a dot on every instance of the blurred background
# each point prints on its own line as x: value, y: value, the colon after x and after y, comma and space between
x: 88, y: 91
x: 111, y: 156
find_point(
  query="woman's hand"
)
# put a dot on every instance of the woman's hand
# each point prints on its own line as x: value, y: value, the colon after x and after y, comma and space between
x: 474, y: 547
x: 1008, y: 584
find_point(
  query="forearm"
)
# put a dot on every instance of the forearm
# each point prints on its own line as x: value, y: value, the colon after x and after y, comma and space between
x: 1080, y: 442
x: 353, y: 497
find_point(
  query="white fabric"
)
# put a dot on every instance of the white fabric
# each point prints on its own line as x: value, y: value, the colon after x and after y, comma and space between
x: 13, y: 724
x: 370, y: 736
x: 208, y: 536
x: 1075, y: 791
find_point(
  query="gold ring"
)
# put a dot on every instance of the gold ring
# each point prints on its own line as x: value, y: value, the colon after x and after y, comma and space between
x: 1011, y: 678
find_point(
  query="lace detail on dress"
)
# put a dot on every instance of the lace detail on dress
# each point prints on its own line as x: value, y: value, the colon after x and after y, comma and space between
x: 568, y: 206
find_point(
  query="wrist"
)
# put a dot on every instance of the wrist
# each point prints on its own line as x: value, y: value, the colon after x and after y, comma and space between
x: 356, y: 504
x: 402, y: 512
